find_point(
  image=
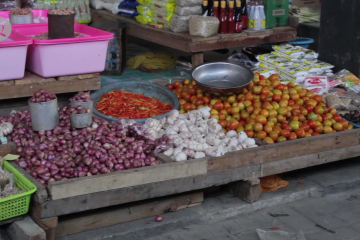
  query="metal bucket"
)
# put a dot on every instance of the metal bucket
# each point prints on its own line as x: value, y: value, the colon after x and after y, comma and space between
x: 44, y: 116
x: 81, y: 120
x: 89, y: 105
x: 21, y: 19
x: 61, y: 26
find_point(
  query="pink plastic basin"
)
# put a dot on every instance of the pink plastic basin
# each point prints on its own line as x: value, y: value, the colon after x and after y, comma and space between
x: 13, y: 56
x: 39, y: 15
x: 68, y: 56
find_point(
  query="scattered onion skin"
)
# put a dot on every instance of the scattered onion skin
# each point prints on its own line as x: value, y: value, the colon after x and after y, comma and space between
x: 66, y: 152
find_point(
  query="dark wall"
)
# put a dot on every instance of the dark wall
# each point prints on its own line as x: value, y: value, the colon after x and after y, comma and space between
x: 339, y: 42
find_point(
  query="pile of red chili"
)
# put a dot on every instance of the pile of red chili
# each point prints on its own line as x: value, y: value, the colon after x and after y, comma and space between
x: 122, y: 104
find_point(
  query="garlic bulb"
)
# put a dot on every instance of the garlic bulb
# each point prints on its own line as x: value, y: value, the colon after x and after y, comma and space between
x: 6, y: 128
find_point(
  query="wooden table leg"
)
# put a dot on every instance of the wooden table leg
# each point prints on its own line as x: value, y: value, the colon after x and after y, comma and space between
x: 197, y: 58
x: 48, y: 224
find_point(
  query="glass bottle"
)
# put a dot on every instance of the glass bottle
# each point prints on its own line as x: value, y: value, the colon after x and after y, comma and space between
x: 231, y: 18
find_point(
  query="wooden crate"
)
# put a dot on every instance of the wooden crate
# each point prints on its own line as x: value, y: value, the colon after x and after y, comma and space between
x: 31, y: 83
x: 95, y: 192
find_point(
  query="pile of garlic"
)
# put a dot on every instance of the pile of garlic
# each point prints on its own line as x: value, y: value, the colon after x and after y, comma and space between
x: 6, y: 128
x: 196, y: 135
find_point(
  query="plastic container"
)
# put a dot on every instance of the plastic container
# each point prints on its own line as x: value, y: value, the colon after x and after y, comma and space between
x: 61, y: 26
x: 18, y: 204
x: 21, y: 19
x: 39, y: 17
x: 81, y: 120
x: 13, y: 56
x: 44, y: 116
x: 149, y: 89
x: 302, y: 42
x: 67, y: 56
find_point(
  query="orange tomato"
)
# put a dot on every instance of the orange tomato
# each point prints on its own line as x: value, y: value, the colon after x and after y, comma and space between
x: 233, y: 124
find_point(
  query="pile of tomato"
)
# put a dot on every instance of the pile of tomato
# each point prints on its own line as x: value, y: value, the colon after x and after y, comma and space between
x: 266, y: 109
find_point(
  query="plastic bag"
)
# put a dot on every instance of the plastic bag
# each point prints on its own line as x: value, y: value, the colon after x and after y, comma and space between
x: 200, y: 26
x: 187, y: 11
x: 335, y: 102
x: 28, y: 4
x: 9, y: 4
x: 241, y: 59
x: 4, y: 177
x: 96, y: 4
x: 180, y: 23
x: 189, y: 3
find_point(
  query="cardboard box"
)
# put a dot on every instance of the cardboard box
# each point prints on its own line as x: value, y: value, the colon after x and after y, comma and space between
x: 314, y: 4
x: 277, y: 13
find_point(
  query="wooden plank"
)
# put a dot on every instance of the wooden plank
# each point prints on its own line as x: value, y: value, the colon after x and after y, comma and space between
x: 284, y: 150
x: 48, y: 225
x: 7, y: 83
x: 310, y: 160
x: 120, y: 214
x: 284, y: 29
x: 82, y: 76
x: 31, y: 78
x: 18, y: 91
x: 240, y: 41
x: 128, y: 178
x: 251, y: 32
x: 41, y: 194
x: 140, y: 192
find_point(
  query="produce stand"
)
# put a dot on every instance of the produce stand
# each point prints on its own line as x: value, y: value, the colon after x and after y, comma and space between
x: 197, y: 45
x: 130, y: 186
x: 26, y: 86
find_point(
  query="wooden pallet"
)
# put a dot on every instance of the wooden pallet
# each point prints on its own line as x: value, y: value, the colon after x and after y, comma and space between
x: 26, y: 86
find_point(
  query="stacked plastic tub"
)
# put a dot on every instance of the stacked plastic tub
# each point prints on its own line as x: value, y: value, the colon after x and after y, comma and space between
x: 59, y: 57
x: 13, y: 55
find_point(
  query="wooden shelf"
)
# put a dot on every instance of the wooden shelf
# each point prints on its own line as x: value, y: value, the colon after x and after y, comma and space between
x: 197, y: 45
x: 31, y: 83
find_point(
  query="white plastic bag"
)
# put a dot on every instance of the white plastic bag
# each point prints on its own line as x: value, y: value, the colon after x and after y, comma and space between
x: 189, y: 3
x: 187, y: 11
x: 180, y: 23
x: 200, y: 26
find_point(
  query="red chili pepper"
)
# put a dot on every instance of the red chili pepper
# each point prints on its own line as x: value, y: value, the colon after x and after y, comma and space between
x: 121, y: 104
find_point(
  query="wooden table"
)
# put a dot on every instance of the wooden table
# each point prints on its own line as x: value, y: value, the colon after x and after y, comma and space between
x: 197, y: 45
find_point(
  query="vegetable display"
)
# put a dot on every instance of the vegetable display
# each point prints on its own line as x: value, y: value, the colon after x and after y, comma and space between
x: 196, y: 135
x: 66, y: 152
x: 267, y: 109
x: 122, y: 104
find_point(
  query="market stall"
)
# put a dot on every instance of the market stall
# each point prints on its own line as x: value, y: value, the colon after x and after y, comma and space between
x: 155, y: 147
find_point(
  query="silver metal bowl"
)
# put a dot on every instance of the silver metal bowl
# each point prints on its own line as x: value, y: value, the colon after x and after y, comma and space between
x: 222, y: 78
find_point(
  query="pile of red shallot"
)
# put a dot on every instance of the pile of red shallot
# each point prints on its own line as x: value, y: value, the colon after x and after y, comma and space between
x: 42, y: 96
x: 81, y: 97
x: 66, y: 152
x: 79, y: 110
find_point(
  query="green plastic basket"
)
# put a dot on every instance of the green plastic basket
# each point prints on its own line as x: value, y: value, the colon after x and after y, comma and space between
x: 18, y: 204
